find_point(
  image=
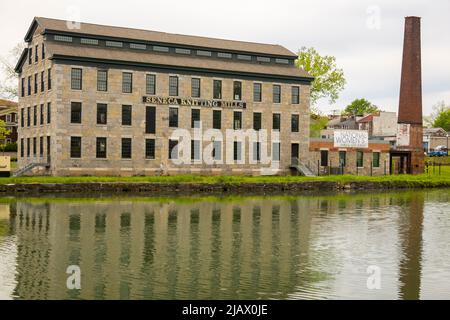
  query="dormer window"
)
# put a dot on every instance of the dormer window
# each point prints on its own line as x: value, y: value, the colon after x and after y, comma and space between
x: 160, y: 49
x: 62, y: 38
x: 182, y: 51
x: 93, y: 42
x: 263, y: 59
x: 244, y: 57
x: 204, y: 53
x: 282, y: 61
x: 114, y: 44
x: 224, y: 55
x: 138, y: 46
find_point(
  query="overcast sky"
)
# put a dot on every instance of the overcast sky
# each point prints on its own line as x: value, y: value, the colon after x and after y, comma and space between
x: 366, y: 37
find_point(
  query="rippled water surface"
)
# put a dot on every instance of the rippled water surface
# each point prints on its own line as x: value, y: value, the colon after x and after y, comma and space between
x: 307, y: 247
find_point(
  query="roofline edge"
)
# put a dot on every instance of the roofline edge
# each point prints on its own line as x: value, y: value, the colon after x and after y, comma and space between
x: 305, y: 80
x: 102, y: 37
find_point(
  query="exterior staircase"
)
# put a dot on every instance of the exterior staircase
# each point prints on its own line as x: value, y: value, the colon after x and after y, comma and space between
x: 29, y: 167
x: 301, y: 168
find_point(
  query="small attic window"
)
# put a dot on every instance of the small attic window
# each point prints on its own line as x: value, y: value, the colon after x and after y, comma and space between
x: 114, y: 44
x: 282, y: 61
x: 138, y: 46
x: 89, y: 41
x: 263, y: 59
x: 182, y: 51
x: 224, y: 55
x: 204, y: 53
x: 160, y: 49
x: 62, y: 38
x: 244, y: 57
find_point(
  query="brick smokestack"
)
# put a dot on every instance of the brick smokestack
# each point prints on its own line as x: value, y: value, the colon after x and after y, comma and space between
x: 410, y: 106
x: 410, y: 127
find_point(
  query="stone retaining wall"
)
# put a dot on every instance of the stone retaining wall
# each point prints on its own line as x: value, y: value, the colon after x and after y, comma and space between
x: 202, y: 188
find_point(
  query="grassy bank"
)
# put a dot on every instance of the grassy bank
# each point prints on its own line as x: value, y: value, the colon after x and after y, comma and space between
x: 425, y: 179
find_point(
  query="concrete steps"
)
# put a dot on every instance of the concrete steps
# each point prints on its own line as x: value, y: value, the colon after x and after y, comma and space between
x: 301, y: 168
x: 28, y: 168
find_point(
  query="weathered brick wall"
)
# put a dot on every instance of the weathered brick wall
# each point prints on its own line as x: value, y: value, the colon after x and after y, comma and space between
x: 351, y: 158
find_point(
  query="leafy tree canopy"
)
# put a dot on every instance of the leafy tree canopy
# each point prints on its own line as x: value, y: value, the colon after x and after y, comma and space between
x: 439, y: 111
x: 3, y: 133
x: 443, y: 120
x: 8, y: 76
x: 318, y: 122
x: 360, y: 107
x: 329, y: 79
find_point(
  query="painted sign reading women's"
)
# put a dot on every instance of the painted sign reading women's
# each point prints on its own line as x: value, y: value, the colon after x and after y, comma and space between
x: 351, y: 139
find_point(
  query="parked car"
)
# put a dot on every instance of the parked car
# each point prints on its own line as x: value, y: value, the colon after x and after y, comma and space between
x: 438, y: 154
x: 441, y: 148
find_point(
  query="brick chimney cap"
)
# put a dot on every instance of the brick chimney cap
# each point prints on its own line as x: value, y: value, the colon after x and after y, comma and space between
x: 413, y: 17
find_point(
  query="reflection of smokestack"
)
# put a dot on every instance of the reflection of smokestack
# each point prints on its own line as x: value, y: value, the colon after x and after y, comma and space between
x: 411, y: 243
x: 410, y: 107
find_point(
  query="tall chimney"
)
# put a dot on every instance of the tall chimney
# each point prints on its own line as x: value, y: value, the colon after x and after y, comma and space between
x: 410, y: 107
x: 410, y: 122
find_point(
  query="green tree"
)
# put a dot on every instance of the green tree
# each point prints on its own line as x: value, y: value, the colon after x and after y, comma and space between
x: 443, y: 120
x: 438, y: 108
x: 9, y: 79
x: 328, y: 81
x: 3, y: 134
x: 318, y: 122
x: 359, y: 107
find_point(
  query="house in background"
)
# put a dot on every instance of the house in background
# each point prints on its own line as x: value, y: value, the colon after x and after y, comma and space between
x: 339, y: 123
x: 381, y: 125
x: 434, y: 137
x: 328, y: 156
x: 8, y: 113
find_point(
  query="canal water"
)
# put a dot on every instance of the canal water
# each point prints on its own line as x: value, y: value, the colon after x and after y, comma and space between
x: 343, y: 246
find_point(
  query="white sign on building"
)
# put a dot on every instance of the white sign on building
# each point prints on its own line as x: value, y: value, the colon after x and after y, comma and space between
x: 351, y: 139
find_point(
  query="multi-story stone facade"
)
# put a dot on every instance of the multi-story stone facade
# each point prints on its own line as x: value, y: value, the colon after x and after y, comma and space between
x: 102, y: 100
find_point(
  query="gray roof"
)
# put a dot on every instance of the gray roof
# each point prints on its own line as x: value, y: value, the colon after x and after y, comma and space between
x: 339, y: 123
x: 433, y: 131
x: 67, y: 50
x: 162, y: 37
x: 60, y: 50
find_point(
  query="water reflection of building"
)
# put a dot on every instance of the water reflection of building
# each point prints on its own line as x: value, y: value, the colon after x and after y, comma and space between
x: 8, y: 252
x: 160, y: 250
x: 243, y: 249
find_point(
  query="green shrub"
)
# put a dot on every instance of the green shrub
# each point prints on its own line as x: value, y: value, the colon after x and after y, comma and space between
x: 10, y: 147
